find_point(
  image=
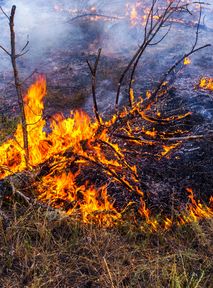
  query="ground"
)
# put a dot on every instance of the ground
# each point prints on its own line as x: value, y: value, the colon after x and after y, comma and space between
x: 40, y: 248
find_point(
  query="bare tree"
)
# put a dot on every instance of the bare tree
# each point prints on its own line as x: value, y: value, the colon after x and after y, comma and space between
x: 18, y: 83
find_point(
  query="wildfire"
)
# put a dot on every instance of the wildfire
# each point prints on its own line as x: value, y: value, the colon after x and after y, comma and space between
x: 86, y: 142
x: 195, y: 210
x: 65, y: 133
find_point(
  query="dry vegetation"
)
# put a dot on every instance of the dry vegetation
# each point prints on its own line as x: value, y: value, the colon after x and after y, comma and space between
x: 41, y: 248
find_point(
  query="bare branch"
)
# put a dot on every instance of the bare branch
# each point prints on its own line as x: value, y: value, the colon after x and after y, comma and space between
x: 93, y: 15
x: 19, y: 193
x: 28, y: 77
x: 175, y: 65
x: 150, y: 31
x: 191, y: 137
x: 8, y: 53
x: 2, y: 10
x: 25, y: 46
x: 93, y: 71
x: 22, y: 54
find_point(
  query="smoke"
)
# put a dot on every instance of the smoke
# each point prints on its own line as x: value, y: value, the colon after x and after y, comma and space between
x: 49, y: 27
x: 48, y: 23
x: 37, y: 22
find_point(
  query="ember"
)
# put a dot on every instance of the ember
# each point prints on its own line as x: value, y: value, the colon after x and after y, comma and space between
x: 206, y: 83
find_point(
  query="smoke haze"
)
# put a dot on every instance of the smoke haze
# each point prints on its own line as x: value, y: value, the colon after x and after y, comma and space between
x: 48, y: 26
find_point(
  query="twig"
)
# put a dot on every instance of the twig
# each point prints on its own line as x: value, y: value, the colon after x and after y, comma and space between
x: 175, y: 65
x: 108, y: 271
x: 93, y: 71
x: 5, y: 14
x: 28, y: 77
x: 192, y: 51
x: 150, y: 31
x: 190, y: 137
x: 133, y: 138
x: 5, y: 50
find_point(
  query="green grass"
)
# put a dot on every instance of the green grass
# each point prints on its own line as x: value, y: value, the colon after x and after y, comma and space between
x: 8, y: 125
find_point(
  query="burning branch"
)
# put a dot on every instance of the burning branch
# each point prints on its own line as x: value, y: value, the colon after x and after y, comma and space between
x: 18, y: 84
x: 93, y: 71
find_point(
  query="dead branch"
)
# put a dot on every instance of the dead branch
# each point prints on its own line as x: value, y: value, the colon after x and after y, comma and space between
x: 17, y: 84
x: 93, y: 71
x: 120, y: 156
x: 193, y: 50
x: 138, y: 139
x: 5, y: 14
x: 150, y: 31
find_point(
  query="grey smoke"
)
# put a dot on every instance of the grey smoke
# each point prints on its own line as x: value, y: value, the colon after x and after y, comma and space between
x: 48, y: 29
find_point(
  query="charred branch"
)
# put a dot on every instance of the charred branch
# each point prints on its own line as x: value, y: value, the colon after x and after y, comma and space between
x: 93, y: 70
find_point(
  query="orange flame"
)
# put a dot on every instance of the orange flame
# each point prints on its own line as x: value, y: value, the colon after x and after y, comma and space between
x: 187, y: 61
x: 206, y: 83
x: 60, y: 187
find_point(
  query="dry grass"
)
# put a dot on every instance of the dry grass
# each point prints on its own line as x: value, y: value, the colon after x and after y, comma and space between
x: 40, y: 248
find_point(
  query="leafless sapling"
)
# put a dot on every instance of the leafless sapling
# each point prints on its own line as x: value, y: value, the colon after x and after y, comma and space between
x: 18, y: 83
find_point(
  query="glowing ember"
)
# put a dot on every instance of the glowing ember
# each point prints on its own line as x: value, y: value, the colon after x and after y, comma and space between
x: 187, y: 61
x: 206, y: 83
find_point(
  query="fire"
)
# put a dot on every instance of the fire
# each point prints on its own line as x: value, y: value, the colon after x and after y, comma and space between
x: 195, y: 210
x: 167, y: 149
x: 86, y: 142
x: 93, y: 204
x: 64, y: 134
x: 187, y: 61
x: 206, y: 83
x: 133, y: 15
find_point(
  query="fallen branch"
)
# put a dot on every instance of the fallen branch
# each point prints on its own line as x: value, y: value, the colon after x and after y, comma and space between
x: 190, y: 137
